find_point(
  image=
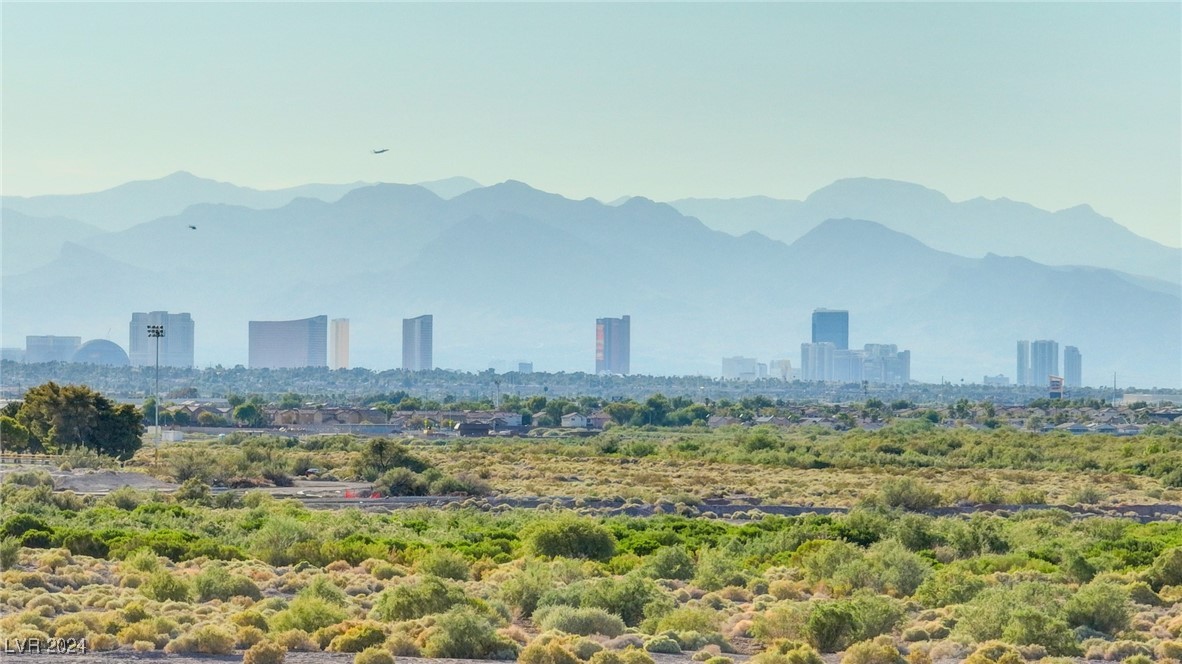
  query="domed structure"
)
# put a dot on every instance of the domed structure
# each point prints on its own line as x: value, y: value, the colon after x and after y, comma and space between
x: 101, y: 351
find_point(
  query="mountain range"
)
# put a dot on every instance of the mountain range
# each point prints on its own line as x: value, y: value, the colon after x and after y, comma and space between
x: 515, y: 273
x: 1075, y: 236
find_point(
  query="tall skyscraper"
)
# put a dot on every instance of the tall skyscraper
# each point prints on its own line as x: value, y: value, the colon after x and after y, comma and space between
x: 176, y: 346
x: 48, y: 348
x: 288, y: 344
x: 338, y: 344
x: 816, y: 361
x: 1044, y: 361
x: 612, y: 345
x: 1072, y: 367
x: 1023, y: 363
x: 416, y: 343
x: 740, y: 368
x: 832, y: 326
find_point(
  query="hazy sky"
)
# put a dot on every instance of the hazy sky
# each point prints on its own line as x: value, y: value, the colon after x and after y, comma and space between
x: 1055, y: 104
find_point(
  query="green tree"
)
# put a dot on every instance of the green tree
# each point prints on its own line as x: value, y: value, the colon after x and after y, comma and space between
x: 58, y: 418
x: 249, y: 414
x: 14, y: 435
x: 290, y: 400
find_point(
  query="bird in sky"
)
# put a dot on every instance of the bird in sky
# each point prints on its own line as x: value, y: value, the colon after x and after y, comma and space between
x: 381, y: 151
x: 192, y: 228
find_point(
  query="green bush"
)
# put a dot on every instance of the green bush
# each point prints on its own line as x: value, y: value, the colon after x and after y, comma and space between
x: 788, y: 652
x: 950, y: 585
x: 1100, y: 605
x: 663, y: 644
x: 307, y: 613
x: 445, y: 564
x: 415, y: 600
x: 374, y: 655
x: 547, y: 651
x: 831, y: 626
x: 10, y: 550
x: 879, y: 651
x: 265, y: 652
x: 670, y: 562
x: 465, y: 634
x: 358, y: 638
x: 214, y: 582
x: 1167, y: 568
x: 1033, y: 626
x: 162, y: 586
x: 322, y: 587
x: 570, y: 537
x: 908, y: 494
x: 524, y: 589
x: 583, y: 621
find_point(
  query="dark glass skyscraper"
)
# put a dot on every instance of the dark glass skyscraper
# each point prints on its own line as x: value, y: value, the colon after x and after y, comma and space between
x: 832, y: 326
x: 612, y: 345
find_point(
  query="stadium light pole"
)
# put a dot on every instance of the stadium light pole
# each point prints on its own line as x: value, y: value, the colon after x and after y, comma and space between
x: 156, y: 332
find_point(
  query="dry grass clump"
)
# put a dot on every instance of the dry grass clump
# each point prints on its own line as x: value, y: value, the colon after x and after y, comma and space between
x: 265, y: 652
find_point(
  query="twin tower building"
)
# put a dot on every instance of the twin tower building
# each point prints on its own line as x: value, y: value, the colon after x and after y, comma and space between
x: 314, y: 342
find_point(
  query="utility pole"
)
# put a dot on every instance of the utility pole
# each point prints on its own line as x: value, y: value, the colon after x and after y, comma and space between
x: 157, y: 332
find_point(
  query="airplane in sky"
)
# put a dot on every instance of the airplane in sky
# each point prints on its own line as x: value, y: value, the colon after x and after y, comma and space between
x: 381, y: 151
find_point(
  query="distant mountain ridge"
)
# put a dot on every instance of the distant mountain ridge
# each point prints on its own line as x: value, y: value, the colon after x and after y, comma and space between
x: 974, y: 228
x: 133, y: 203
x: 510, y: 271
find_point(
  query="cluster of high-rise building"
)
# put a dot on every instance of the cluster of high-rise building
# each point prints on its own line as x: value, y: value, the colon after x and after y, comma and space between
x: 317, y: 342
x: 1038, y: 364
x: 828, y: 357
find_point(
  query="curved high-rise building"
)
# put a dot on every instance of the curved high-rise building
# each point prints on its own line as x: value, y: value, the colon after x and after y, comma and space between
x: 289, y: 344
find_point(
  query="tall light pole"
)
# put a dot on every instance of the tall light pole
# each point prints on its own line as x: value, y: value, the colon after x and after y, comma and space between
x: 157, y: 332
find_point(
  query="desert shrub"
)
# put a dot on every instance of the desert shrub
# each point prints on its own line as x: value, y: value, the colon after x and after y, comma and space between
x: 142, y: 560
x: 322, y: 587
x: 10, y: 550
x: 1087, y: 495
x: 894, y: 569
x: 570, y: 537
x: 1100, y: 605
x: 248, y: 635
x: 831, y: 626
x: 1029, y: 625
x: 788, y: 652
x: 215, y: 582
x: 583, y: 620
x: 950, y: 585
x: 908, y: 494
x: 1166, y: 569
x: 1169, y: 650
x: 523, y: 590
x: 1137, y: 659
x: 141, y: 631
x: 995, y: 652
x: 358, y: 638
x: 445, y: 564
x: 547, y: 651
x: 143, y: 646
x: 628, y: 597
x: 265, y: 652
x: 606, y: 657
x: 250, y: 618
x: 208, y: 639
x: 374, y: 655
x: 465, y: 634
x: 881, y: 650
x: 277, y: 539
x: 296, y: 640
x: 719, y: 568
x: 685, y: 619
x: 163, y: 586
x: 636, y: 656
x: 990, y: 613
x: 415, y: 600
x: 401, y: 482
x: 670, y: 562
x: 307, y: 613
x: 663, y: 644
